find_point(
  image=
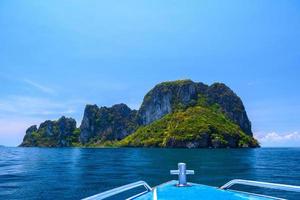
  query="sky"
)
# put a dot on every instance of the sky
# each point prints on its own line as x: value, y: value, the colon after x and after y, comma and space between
x: 57, y: 56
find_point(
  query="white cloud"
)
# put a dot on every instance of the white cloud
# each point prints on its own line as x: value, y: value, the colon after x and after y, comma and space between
x: 34, y: 106
x: 274, y: 139
x: 40, y: 87
x: 12, y: 130
x: 17, y: 113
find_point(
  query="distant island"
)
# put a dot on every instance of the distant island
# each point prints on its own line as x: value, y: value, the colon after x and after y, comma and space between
x: 174, y: 114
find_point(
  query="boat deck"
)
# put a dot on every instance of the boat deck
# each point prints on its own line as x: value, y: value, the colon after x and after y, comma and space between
x: 187, y: 191
x: 168, y: 191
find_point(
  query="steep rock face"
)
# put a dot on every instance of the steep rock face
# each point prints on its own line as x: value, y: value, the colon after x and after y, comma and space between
x: 88, y: 124
x: 28, y: 139
x: 169, y: 96
x: 105, y: 123
x: 60, y: 133
x: 166, y: 96
x: 231, y: 105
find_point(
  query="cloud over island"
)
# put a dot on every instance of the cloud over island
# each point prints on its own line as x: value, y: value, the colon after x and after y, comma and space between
x: 274, y: 139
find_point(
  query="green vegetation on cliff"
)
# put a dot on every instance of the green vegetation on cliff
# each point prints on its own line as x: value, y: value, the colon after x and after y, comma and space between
x: 183, y: 114
x: 58, y: 133
x: 198, y: 126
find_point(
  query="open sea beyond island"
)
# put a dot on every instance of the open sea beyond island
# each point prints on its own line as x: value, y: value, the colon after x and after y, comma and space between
x: 74, y: 173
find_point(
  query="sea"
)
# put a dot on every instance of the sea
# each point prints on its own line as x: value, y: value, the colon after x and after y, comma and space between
x: 75, y: 173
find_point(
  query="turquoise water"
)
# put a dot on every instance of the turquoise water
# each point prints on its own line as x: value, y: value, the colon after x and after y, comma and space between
x: 74, y: 173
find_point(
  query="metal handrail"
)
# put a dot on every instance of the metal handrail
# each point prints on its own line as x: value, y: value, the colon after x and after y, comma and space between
x: 275, y: 186
x: 119, y: 190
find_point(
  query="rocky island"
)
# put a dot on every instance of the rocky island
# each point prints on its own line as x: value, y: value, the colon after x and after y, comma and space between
x: 175, y: 114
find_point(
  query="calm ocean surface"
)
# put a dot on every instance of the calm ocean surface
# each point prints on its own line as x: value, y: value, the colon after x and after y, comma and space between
x: 74, y: 173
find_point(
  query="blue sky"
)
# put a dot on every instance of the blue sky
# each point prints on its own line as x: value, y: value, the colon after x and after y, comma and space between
x: 56, y: 56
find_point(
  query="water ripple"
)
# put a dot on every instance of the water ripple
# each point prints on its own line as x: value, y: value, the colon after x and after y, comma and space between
x: 74, y: 173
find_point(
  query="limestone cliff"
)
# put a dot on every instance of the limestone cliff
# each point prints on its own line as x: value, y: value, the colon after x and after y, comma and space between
x: 167, y: 96
x: 100, y: 124
x: 173, y: 114
x: 60, y: 133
